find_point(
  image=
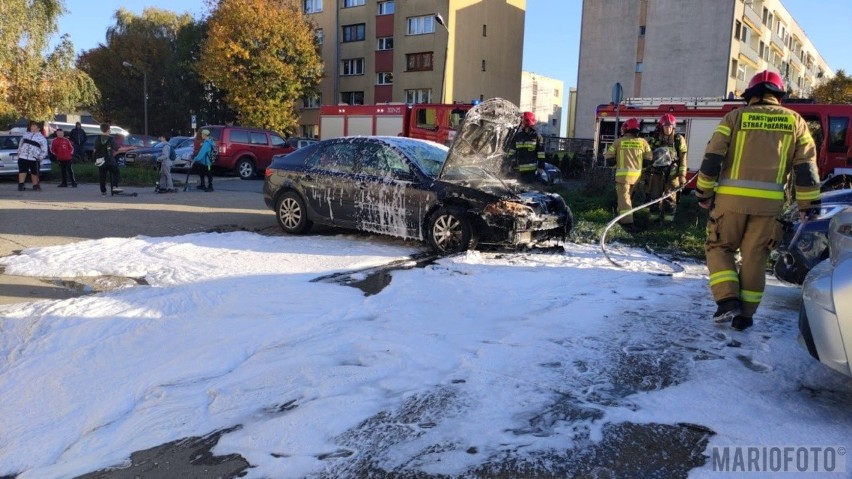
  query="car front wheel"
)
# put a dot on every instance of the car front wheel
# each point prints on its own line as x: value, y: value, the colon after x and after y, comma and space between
x: 246, y: 169
x: 292, y: 215
x: 450, y: 231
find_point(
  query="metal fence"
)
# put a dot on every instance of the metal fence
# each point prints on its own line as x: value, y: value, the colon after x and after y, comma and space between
x: 573, y: 156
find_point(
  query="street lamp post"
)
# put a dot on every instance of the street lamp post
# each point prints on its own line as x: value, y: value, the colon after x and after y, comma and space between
x: 144, y: 91
x: 440, y: 19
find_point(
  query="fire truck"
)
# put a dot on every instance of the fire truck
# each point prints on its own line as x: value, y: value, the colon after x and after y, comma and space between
x: 697, y: 118
x: 428, y: 121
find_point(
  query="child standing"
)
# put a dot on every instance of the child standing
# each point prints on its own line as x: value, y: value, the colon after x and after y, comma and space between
x: 63, y: 150
x: 167, y: 156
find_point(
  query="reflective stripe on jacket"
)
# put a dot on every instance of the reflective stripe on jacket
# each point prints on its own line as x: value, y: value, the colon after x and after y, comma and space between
x: 759, y: 145
x: 527, y: 150
x: 629, y: 153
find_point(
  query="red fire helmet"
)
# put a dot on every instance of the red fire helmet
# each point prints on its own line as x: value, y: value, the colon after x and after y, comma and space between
x: 630, y: 124
x: 764, y: 81
x: 529, y: 118
x: 668, y: 119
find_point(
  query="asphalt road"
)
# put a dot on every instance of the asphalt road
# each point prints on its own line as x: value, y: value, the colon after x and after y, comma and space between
x: 57, y: 216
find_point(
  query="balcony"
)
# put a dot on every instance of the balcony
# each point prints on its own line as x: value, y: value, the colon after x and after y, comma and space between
x: 750, y: 54
x: 778, y: 42
x: 753, y: 18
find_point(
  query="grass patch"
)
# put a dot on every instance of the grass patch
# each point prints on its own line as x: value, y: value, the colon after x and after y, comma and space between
x: 594, y: 206
x: 129, y: 175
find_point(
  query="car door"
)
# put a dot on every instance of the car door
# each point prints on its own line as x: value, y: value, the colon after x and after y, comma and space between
x: 389, y: 198
x: 329, y: 182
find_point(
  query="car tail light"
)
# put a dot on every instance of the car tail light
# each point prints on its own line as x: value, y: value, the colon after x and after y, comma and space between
x: 269, y: 172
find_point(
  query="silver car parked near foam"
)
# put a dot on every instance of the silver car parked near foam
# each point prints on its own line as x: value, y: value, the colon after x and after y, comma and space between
x: 825, y: 317
x: 9, y: 157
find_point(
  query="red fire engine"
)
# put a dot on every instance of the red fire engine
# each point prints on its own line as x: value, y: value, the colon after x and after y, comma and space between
x: 428, y: 121
x: 697, y: 118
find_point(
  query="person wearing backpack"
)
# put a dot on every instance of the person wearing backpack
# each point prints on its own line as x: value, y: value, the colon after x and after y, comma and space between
x: 665, y: 178
x: 203, y: 161
x: 166, y: 160
x: 63, y: 150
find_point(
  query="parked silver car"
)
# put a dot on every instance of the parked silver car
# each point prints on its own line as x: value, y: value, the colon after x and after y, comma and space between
x: 825, y: 317
x: 9, y: 157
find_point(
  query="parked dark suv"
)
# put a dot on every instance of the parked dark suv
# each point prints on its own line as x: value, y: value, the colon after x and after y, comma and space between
x: 246, y: 151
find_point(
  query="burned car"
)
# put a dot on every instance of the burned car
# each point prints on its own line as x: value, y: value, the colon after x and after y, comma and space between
x: 792, y: 262
x: 453, y: 199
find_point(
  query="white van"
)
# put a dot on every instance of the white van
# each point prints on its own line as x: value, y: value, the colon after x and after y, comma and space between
x: 90, y: 129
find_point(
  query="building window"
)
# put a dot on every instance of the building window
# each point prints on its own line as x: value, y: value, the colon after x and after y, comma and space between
x: 737, y: 29
x: 733, y: 68
x: 421, y: 25
x: 556, y: 92
x: 312, y: 101
x: 313, y: 6
x: 353, y: 66
x: 641, y: 30
x: 385, y: 43
x: 386, y: 8
x: 384, y: 78
x: 353, y: 33
x: 352, y: 97
x: 418, y: 61
x: 319, y: 36
x: 639, y: 67
x: 353, y: 3
x: 483, y: 65
x: 419, y: 95
x: 741, y: 72
x: 761, y: 50
x: 745, y: 35
x: 484, y: 31
x: 553, y: 122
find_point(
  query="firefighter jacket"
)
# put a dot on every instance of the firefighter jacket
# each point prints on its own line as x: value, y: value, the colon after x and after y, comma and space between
x: 628, y: 154
x: 677, y: 143
x: 750, y: 156
x: 527, y: 150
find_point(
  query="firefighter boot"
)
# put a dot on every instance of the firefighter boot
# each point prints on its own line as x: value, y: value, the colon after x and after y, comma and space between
x: 727, y: 310
x: 741, y: 323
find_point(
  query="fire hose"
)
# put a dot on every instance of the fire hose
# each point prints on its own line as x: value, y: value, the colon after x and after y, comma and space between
x: 630, y: 212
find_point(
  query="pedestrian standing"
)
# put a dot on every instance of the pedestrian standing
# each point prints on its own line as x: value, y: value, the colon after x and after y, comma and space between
x: 167, y: 156
x: 31, y: 150
x: 628, y: 154
x: 203, y: 161
x: 742, y: 181
x: 78, y: 139
x: 104, y: 155
x: 63, y: 150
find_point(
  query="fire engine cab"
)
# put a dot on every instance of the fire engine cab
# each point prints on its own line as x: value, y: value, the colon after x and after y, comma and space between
x: 697, y: 118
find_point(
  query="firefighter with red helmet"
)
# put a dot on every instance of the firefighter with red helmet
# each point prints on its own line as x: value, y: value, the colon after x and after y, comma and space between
x: 742, y: 181
x: 628, y: 154
x: 527, y: 149
x: 668, y: 170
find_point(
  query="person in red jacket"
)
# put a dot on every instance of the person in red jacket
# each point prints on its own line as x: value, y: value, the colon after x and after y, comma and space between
x: 63, y: 150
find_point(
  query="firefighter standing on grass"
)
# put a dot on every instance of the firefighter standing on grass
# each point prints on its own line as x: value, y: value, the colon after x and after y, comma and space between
x: 742, y: 182
x: 664, y: 178
x: 527, y: 150
x: 627, y: 154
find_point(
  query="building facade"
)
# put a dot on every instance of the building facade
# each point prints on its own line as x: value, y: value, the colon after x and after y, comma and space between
x: 695, y: 48
x: 415, y: 51
x: 543, y: 96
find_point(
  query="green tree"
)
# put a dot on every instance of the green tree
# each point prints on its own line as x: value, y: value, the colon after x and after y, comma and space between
x: 836, y: 90
x: 35, y: 81
x: 263, y: 55
x: 152, y: 43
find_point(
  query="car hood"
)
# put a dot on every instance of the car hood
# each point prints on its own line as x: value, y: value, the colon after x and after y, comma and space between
x: 479, y: 148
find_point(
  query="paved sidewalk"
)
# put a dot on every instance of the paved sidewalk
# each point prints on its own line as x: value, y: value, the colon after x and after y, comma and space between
x: 56, y: 216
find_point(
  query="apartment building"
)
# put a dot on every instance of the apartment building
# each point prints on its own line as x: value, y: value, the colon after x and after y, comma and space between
x: 415, y: 51
x: 694, y: 48
x: 543, y: 96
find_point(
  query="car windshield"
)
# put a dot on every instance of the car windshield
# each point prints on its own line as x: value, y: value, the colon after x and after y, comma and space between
x: 429, y: 156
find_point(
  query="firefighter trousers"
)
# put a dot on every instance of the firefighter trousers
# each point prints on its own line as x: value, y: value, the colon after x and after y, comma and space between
x: 755, y: 236
x: 624, y: 192
x: 660, y: 183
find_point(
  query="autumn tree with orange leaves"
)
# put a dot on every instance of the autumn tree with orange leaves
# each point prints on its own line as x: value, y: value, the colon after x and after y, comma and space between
x: 263, y: 55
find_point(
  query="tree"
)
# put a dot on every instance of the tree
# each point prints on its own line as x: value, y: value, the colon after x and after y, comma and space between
x: 153, y: 43
x: 34, y: 82
x: 263, y: 55
x: 834, y: 90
